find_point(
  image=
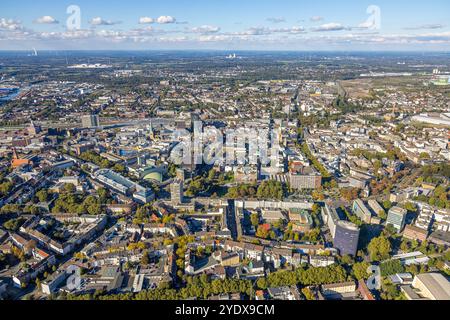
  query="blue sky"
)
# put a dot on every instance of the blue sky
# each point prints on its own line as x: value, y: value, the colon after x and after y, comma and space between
x: 227, y: 25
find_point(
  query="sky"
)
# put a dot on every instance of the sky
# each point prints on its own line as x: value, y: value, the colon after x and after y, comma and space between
x: 318, y: 25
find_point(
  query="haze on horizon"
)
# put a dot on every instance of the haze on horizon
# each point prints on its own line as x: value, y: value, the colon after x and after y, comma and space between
x: 284, y: 25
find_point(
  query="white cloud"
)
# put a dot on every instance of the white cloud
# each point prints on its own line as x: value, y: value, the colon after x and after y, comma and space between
x: 329, y: 27
x: 160, y: 20
x: 166, y: 20
x: 146, y: 20
x: 331, y: 40
x: 297, y: 30
x: 262, y: 31
x: 366, y: 25
x: 98, y: 21
x: 206, y: 29
x: 215, y: 38
x: 10, y: 24
x: 440, y: 37
x: 427, y: 26
x: 173, y: 39
x: 386, y: 39
x: 67, y: 35
x: 145, y: 30
x: 46, y: 20
x: 316, y: 18
x: 276, y: 19
x: 254, y: 31
x: 292, y: 30
x: 256, y: 37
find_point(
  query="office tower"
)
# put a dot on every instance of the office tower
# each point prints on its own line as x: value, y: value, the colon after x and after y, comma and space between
x: 176, y: 192
x: 180, y: 175
x: 346, y: 238
x: 397, y: 217
x: 345, y: 234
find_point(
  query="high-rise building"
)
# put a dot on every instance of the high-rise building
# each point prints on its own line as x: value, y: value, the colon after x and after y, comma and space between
x: 180, y: 174
x: 345, y: 234
x: 346, y: 238
x: 397, y: 218
x: 331, y: 217
x: 176, y: 192
x: 90, y: 121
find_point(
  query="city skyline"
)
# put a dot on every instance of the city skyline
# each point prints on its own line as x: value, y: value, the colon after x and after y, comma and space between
x: 272, y: 25
x: 220, y: 156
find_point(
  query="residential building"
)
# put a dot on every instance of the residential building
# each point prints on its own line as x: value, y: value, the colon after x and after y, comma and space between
x: 361, y: 211
x: 339, y: 288
x: 321, y: 261
x: 301, y: 220
x: 410, y: 258
x: 415, y: 233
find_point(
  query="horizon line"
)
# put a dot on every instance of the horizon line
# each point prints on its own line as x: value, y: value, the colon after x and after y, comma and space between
x: 224, y: 50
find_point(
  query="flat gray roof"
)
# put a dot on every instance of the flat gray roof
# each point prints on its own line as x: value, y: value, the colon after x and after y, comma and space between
x: 437, y: 284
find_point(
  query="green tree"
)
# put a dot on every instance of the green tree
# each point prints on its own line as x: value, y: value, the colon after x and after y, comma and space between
x: 360, y: 270
x: 42, y: 195
x: 145, y: 259
x: 13, y: 224
x: 347, y: 259
x: 379, y: 248
x: 69, y: 188
x: 262, y: 283
x: 424, y: 156
x: 262, y: 232
x: 254, y: 218
x: 309, y: 295
x: 211, y: 175
x: 410, y: 207
x: 382, y: 215
x: 405, y: 246
x: 5, y: 188
x: 119, y: 168
x: 38, y: 284
x: 387, y: 204
x: 391, y: 267
x: 10, y: 208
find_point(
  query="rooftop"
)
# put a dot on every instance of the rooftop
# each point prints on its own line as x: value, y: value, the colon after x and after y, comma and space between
x: 437, y: 284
